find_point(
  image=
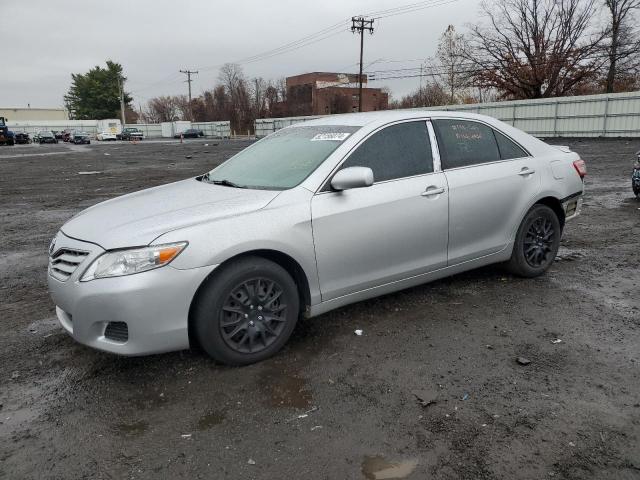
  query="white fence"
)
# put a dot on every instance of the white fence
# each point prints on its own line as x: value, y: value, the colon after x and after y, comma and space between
x: 609, y: 115
x: 220, y: 129
x: 32, y: 126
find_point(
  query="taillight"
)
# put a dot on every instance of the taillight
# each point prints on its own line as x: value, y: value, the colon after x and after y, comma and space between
x: 581, y: 168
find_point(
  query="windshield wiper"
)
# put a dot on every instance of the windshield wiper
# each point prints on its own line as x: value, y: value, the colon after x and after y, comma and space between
x: 226, y: 183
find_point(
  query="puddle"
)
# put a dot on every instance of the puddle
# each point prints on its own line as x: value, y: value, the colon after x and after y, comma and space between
x: 210, y: 420
x: 377, y: 468
x: 282, y: 388
x: 132, y: 429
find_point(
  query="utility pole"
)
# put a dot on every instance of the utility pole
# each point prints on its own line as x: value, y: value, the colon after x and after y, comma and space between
x: 188, y: 73
x: 121, y: 91
x: 359, y: 25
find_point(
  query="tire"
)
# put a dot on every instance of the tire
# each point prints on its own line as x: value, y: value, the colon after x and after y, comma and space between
x: 537, y: 242
x: 230, y: 318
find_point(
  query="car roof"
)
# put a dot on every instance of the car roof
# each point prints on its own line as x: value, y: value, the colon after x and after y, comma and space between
x: 386, y: 116
x: 373, y: 120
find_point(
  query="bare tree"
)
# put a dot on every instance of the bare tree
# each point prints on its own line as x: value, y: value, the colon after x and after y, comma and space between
x: 449, y: 67
x: 259, y: 99
x: 232, y: 78
x: 431, y: 94
x: 622, y: 45
x: 162, y: 109
x: 535, y: 48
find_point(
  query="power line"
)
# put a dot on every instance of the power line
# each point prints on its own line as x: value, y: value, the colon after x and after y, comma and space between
x: 320, y: 35
x: 410, y: 8
x: 467, y: 68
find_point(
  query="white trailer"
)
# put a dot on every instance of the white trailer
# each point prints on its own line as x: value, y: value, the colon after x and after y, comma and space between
x: 110, y: 125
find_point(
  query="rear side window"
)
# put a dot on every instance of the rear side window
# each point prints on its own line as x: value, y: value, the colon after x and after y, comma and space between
x: 398, y: 151
x: 463, y: 143
x: 508, y: 149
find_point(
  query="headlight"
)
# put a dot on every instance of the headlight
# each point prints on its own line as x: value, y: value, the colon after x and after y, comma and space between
x: 128, y: 262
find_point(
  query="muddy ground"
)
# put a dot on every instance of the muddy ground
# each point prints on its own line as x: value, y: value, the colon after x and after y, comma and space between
x: 332, y: 405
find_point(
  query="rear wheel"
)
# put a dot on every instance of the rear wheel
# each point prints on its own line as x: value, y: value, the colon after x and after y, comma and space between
x: 537, y: 242
x: 247, y: 312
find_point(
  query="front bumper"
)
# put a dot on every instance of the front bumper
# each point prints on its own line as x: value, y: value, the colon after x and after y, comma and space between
x: 154, y: 305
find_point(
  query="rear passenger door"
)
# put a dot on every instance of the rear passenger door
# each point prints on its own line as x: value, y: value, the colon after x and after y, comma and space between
x: 394, y: 229
x: 492, y: 181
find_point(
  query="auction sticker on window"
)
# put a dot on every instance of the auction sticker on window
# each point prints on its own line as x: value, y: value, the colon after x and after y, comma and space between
x: 333, y: 136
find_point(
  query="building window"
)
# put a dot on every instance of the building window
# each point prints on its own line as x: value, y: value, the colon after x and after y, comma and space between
x: 354, y: 97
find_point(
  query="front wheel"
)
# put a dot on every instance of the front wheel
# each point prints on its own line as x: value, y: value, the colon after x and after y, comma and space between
x: 537, y: 242
x: 247, y: 311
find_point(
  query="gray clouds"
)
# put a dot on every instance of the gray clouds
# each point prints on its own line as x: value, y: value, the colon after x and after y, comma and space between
x: 153, y: 39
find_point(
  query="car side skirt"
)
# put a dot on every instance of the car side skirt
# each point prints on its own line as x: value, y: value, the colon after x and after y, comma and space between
x: 323, y: 307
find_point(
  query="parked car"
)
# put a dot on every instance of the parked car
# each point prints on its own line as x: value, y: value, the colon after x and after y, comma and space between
x: 45, y: 136
x: 635, y: 176
x: 66, y: 135
x: 131, y: 133
x: 10, y: 136
x: 190, y: 133
x: 6, y: 136
x: 80, y: 138
x: 106, y: 136
x: 57, y: 134
x: 313, y: 217
x: 22, y: 138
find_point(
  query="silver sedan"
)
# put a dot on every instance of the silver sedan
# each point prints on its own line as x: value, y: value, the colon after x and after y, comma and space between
x: 311, y: 218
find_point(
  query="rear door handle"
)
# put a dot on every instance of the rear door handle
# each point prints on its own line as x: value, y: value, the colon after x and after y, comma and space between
x: 526, y: 171
x: 432, y: 190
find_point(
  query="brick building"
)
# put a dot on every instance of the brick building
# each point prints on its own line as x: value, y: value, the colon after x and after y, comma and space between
x: 323, y: 93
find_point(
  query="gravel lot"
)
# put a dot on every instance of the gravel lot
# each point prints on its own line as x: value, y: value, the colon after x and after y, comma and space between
x: 332, y: 405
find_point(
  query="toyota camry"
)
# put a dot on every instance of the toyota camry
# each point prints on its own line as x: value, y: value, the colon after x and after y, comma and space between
x: 313, y: 217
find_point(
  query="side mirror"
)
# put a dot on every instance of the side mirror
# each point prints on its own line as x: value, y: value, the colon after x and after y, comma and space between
x: 352, y: 177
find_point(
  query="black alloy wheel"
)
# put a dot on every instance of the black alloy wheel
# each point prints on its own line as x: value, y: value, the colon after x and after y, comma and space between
x: 536, y: 243
x: 253, y: 315
x: 246, y: 311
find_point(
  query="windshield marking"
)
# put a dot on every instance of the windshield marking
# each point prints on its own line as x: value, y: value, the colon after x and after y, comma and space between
x: 332, y: 136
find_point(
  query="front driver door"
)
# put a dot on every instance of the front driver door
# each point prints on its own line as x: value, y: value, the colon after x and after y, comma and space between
x: 394, y: 229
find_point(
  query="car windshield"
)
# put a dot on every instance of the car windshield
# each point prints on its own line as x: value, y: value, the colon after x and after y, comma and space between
x: 283, y: 159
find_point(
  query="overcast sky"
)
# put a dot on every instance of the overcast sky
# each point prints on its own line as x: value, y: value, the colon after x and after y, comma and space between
x: 153, y: 39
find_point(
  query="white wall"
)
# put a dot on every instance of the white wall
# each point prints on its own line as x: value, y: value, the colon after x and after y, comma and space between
x: 221, y: 129
x: 609, y: 115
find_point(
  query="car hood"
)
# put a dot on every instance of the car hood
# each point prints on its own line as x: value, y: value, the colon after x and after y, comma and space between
x: 139, y: 218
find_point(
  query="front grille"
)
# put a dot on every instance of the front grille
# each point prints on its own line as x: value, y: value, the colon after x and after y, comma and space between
x: 65, y: 261
x: 117, y: 331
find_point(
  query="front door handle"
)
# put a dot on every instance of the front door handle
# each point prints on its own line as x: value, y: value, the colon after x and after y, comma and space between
x: 526, y: 171
x: 432, y: 190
